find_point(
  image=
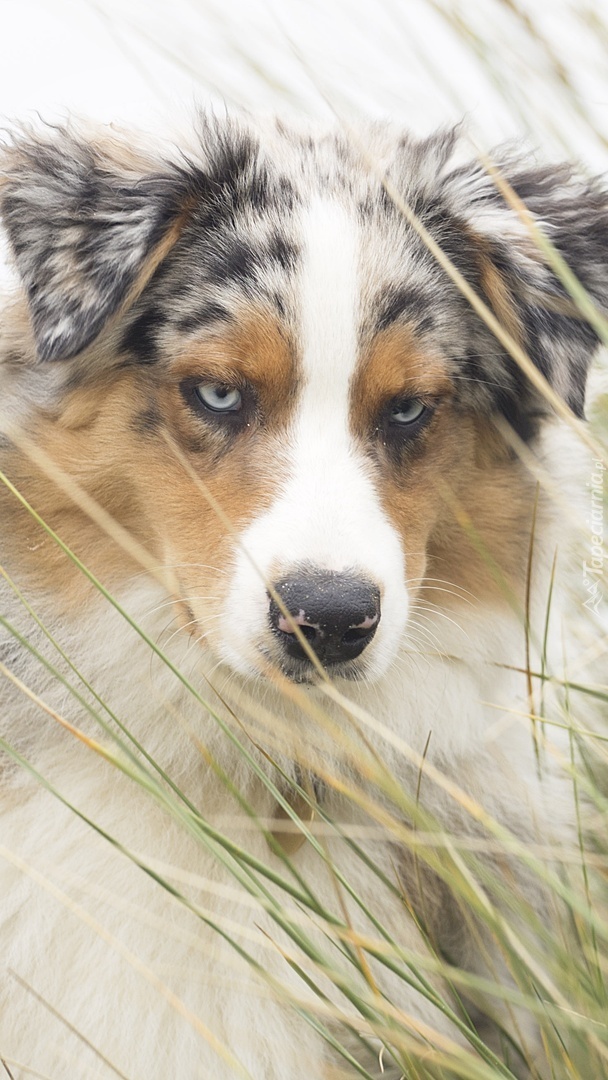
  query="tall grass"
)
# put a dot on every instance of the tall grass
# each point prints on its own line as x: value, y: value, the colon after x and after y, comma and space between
x: 558, y: 972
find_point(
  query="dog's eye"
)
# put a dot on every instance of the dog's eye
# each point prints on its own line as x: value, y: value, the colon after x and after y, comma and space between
x: 407, y: 412
x: 218, y: 397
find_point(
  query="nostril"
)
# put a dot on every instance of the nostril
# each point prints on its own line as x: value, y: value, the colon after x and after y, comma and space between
x: 363, y: 630
x: 308, y: 632
x: 356, y: 633
x: 287, y: 625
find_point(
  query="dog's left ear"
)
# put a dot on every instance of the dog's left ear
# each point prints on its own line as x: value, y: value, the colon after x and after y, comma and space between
x: 516, y: 280
x: 81, y: 218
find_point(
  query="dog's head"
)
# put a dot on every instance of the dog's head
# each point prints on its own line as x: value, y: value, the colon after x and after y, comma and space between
x: 288, y: 393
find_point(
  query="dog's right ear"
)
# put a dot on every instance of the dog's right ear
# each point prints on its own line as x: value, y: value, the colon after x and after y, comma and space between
x: 82, y: 219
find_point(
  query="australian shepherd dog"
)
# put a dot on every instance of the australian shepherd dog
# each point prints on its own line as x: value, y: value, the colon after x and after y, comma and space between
x: 276, y: 563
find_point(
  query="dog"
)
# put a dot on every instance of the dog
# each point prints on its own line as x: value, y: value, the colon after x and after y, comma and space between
x: 276, y: 569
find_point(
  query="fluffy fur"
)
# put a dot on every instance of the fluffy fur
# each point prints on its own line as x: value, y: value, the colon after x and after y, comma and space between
x: 270, y: 268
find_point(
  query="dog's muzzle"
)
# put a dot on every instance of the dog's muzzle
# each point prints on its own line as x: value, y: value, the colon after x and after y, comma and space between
x: 337, y: 614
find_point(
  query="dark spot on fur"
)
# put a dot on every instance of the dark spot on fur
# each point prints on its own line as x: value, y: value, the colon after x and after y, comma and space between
x: 364, y: 208
x: 233, y: 157
x: 469, y: 365
x: 205, y: 314
x: 141, y: 337
x: 148, y: 421
x: 238, y: 259
x: 525, y: 423
x: 287, y: 194
x: 278, y: 304
x: 281, y: 251
x: 259, y: 195
x: 410, y: 303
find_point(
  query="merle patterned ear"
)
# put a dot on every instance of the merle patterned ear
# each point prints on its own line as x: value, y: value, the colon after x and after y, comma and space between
x: 572, y: 212
x: 81, y: 218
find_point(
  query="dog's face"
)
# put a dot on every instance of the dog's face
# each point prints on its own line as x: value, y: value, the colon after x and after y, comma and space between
x: 271, y: 375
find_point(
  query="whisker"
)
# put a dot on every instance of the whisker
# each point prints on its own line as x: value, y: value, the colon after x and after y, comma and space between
x: 193, y: 622
x: 424, y: 578
x: 182, y: 566
x: 424, y: 609
x: 179, y: 600
x: 449, y: 592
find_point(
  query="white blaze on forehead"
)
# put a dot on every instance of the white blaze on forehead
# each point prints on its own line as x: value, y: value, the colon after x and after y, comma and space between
x: 327, y: 514
x: 329, y: 304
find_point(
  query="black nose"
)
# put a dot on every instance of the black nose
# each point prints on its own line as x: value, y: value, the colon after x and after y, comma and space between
x: 338, y: 614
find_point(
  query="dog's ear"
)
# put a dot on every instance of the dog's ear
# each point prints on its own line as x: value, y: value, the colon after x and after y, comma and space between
x: 82, y: 219
x: 516, y: 280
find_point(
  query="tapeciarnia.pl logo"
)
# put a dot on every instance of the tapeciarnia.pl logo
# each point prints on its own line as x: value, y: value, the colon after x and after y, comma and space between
x: 593, y: 569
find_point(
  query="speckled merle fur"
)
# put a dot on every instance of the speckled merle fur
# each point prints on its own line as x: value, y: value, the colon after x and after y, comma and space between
x: 82, y: 225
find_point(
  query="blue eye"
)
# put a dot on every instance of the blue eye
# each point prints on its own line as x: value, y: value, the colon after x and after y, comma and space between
x: 219, y: 398
x: 407, y: 412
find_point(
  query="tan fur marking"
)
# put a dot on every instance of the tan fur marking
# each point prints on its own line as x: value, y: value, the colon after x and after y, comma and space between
x: 397, y: 365
x: 461, y: 474
x: 500, y: 298
x: 258, y: 352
